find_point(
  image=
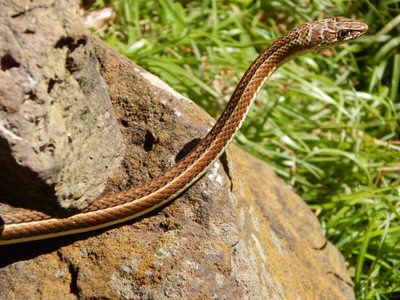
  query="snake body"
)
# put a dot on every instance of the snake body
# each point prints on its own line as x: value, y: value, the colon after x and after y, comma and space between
x: 132, y: 203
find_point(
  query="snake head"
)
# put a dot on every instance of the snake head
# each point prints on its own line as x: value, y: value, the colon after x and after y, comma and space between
x: 318, y: 34
x: 336, y: 30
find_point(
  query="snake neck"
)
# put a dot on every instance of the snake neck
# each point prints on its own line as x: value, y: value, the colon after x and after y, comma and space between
x: 285, y: 48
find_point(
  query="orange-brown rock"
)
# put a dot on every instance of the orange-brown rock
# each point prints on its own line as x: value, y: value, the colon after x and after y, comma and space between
x: 239, y: 233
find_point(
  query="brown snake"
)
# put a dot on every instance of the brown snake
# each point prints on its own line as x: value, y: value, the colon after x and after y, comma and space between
x: 126, y: 205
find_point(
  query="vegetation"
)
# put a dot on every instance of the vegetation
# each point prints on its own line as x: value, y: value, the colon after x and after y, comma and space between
x: 328, y: 122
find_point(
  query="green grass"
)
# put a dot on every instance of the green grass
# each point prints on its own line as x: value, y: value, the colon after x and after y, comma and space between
x: 328, y: 123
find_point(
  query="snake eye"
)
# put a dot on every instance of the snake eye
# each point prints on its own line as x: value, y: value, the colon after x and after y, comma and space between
x: 342, y: 33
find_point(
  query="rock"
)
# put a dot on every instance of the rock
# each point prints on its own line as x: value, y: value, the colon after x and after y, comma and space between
x: 238, y: 233
x: 59, y: 137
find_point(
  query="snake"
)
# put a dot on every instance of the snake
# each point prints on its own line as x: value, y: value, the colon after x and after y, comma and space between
x: 108, y: 210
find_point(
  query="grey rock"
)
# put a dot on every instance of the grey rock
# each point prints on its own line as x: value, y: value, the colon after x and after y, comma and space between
x: 59, y: 138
